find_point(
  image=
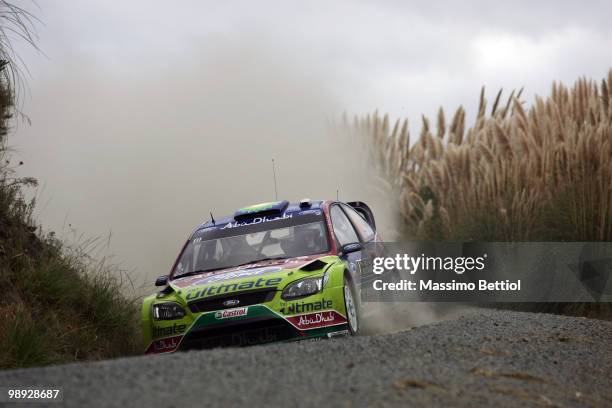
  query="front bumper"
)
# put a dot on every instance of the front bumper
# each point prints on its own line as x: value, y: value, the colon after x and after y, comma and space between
x: 256, y: 324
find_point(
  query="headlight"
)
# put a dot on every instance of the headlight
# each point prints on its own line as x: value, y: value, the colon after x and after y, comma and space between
x: 304, y: 287
x: 168, y: 311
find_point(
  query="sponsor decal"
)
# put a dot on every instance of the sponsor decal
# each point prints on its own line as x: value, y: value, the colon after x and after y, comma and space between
x: 295, y: 308
x: 164, y: 345
x: 168, y: 331
x: 209, y: 277
x: 316, y: 320
x: 256, y: 220
x: 232, y: 287
x: 226, y: 314
x: 236, y: 274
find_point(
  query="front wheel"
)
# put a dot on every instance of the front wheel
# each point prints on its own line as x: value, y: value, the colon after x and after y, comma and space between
x: 352, y: 312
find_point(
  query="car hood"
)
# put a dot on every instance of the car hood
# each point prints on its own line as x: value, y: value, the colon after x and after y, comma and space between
x: 266, y: 275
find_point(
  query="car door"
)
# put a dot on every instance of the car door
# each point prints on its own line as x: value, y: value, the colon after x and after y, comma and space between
x: 345, y: 234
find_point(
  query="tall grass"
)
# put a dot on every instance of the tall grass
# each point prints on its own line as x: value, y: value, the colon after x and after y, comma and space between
x: 61, y: 305
x: 516, y: 174
x: 57, y: 303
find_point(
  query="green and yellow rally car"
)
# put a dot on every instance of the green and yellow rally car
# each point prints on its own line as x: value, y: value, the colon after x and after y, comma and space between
x: 271, y: 272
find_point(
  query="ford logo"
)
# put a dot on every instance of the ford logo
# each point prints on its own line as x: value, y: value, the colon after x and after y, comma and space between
x: 231, y: 302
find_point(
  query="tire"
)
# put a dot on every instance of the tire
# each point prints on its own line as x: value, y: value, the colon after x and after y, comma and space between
x: 351, y: 307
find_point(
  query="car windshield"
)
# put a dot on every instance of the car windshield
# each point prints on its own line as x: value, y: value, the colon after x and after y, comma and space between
x: 207, y: 251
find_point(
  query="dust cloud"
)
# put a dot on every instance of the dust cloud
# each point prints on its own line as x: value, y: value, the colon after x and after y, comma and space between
x: 145, y: 158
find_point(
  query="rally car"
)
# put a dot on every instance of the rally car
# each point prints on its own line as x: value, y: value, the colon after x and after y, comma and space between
x: 275, y: 271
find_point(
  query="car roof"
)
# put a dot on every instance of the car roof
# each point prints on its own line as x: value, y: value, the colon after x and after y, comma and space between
x: 273, y: 208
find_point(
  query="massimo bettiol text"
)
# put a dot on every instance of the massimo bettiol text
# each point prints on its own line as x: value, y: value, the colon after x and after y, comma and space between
x: 458, y: 265
x: 491, y: 272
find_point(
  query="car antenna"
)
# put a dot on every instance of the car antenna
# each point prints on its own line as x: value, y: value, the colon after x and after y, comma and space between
x: 274, y: 173
x: 337, y: 195
x: 212, y: 218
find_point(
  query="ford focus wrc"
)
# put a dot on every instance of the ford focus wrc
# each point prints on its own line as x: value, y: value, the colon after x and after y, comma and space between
x: 275, y: 271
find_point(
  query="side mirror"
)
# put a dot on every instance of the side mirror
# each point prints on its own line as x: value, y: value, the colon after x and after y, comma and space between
x: 350, y: 248
x: 162, y: 280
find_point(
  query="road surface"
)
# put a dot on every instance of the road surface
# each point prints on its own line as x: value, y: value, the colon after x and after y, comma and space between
x: 486, y: 358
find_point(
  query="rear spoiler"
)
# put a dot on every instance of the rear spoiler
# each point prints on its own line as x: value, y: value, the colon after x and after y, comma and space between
x: 363, y: 209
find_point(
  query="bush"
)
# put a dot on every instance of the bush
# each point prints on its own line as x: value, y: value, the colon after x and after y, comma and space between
x: 58, y: 303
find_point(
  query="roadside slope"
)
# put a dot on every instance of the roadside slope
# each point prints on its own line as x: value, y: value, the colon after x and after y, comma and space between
x: 486, y: 358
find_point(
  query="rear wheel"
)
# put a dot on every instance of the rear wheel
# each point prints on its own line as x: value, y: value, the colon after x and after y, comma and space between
x: 352, y: 312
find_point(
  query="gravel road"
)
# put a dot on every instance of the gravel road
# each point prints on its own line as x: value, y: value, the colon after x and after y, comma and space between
x: 485, y: 358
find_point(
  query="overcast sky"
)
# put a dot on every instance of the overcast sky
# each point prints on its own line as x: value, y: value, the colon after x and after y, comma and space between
x: 148, y: 114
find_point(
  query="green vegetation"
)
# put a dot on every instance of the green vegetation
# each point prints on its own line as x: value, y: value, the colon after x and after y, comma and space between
x: 542, y: 174
x: 57, y: 304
